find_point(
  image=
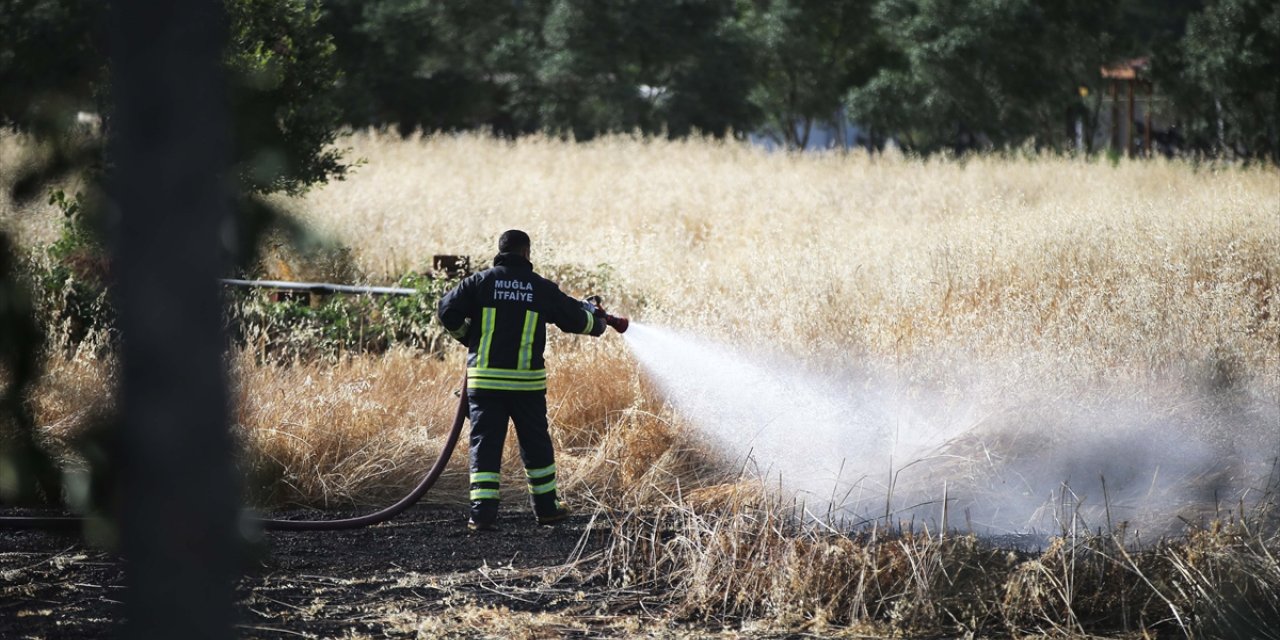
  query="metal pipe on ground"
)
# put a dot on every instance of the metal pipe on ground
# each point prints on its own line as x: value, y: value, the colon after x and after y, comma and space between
x: 319, y: 287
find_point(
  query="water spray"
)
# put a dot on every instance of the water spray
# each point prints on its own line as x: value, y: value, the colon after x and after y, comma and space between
x: 863, y: 442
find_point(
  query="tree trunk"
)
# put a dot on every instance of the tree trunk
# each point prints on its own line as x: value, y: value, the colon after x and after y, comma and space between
x: 1091, y: 130
x: 171, y: 150
x: 1220, y: 127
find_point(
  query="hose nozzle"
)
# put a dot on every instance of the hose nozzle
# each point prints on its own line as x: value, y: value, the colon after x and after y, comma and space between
x: 618, y: 323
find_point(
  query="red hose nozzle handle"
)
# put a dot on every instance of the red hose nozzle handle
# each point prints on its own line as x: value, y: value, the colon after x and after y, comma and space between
x: 618, y: 323
x: 596, y: 306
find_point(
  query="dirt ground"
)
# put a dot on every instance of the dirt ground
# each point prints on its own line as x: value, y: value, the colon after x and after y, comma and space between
x: 422, y: 575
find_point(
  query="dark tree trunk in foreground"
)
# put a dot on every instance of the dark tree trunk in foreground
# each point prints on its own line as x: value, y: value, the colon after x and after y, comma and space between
x: 170, y: 153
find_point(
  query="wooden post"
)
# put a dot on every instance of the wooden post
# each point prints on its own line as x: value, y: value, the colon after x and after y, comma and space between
x: 1128, y: 125
x: 1146, y: 142
x: 1115, y: 118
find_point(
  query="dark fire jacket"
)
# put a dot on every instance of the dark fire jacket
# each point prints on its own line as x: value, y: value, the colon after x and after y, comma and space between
x: 501, y: 314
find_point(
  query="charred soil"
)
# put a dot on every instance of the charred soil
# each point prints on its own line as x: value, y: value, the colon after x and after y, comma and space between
x: 379, y: 581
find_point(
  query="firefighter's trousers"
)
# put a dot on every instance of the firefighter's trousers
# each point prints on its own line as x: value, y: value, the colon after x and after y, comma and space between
x: 489, y: 415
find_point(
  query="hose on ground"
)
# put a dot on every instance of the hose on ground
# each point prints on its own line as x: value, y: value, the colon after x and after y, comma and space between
x: 381, y: 515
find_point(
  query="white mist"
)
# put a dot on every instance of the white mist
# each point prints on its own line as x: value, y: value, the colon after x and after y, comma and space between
x: 861, y: 446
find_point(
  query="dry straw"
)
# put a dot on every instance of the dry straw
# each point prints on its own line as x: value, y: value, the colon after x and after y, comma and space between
x: 1071, y: 273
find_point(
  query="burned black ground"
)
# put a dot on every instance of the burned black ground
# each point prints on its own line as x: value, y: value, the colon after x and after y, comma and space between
x: 376, y: 581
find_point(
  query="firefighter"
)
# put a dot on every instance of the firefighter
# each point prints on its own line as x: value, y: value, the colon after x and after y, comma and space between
x: 501, y: 314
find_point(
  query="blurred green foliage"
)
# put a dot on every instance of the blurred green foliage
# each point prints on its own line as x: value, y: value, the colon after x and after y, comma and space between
x: 283, y: 327
x: 71, y: 277
x: 283, y: 77
x: 931, y: 74
x: 807, y: 55
x: 985, y: 73
x: 53, y: 68
x: 26, y: 474
x: 56, y: 80
x: 576, y: 67
x: 1229, y: 70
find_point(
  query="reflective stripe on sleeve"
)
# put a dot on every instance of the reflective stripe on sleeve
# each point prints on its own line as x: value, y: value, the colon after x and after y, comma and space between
x: 461, y: 332
x: 591, y: 321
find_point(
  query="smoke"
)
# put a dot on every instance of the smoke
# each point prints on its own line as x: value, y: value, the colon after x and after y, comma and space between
x: 861, y: 444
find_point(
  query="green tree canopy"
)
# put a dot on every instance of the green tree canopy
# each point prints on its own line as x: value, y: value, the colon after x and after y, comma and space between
x: 53, y: 65
x: 1231, y: 53
x: 283, y: 108
x: 986, y: 73
x: 808, y: 54
x: 651, y: 65
x: 570, y: 66
x: 933, y: 74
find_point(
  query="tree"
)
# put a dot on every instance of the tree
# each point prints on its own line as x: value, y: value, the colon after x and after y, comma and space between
x: 50, y: 62
x: 1231, y: 58
x: 988, y: 73
x: 809, y: 54
x: 423, y: 64
x: 668, y: 66
x: 167, y: 175
x: 571, y: 66
x: 51, y: 69
x: 282, y: 100
x: 53, y: 65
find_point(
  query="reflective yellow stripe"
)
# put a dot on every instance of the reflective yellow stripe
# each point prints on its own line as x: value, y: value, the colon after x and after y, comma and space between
x: 484, y: 494
x: 486, y: 336
x: 591, y: 321
x: 509, y: 374
x: 506, y: 385
x: 486, y: 476
x: 460, y: 332
x: 526, y: 340
x: 540, y: 473
x: 538, y: 490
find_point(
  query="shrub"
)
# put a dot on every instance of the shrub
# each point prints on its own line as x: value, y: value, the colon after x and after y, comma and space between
x: 70, y: 277
x: 289, y: 326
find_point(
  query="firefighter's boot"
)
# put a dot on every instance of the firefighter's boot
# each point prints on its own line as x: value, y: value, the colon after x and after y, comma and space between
x: 484, y: 515
x: 548, y: 509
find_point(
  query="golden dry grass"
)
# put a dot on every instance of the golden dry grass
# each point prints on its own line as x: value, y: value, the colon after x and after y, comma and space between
x: 1124, y: 270
x: 1060, y: 271
x: 984, y: 276
x: 747, y: 558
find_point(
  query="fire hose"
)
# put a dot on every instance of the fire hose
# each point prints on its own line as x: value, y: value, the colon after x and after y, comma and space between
x: 593, y: 305
x: 411, y: 498
x: 618, y: 323
x: 381, y: 515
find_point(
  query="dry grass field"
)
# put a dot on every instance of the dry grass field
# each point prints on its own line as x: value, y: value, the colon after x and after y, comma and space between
x: 1005, y: 280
